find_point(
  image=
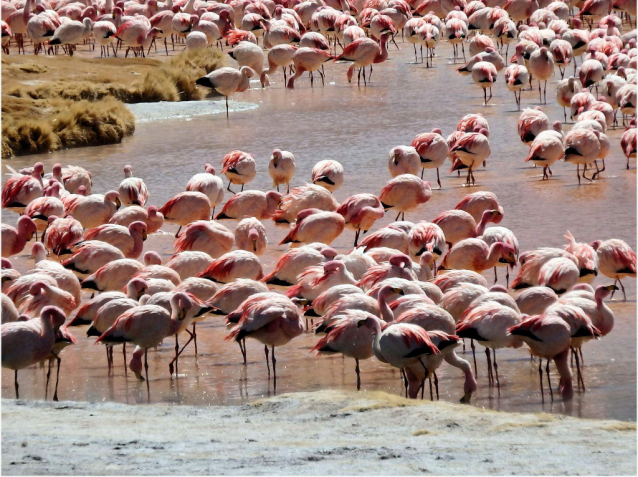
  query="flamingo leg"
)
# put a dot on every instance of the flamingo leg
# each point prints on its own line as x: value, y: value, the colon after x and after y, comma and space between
x: 124, y: 353
x: 46, y: 388
x: 57, y: 379
x: 358, y: 371
x: 405, y: 381
x: 15, y: 383
x: 540, y: 375
x: 549, y: 382
x: 274, y: 368
x: 490, y: 378
x: 195, y: 338
x: 148, y: 385
x: 356, y: 237
x: 474, y: 356
x: 498, y: 383
x: 267, y: 360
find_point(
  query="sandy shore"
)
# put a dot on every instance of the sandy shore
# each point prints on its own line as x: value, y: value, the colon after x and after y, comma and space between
x: 320, y: 433
x: 146, y: 112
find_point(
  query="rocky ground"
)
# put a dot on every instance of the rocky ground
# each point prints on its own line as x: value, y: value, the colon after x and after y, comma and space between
x: 320, y: 433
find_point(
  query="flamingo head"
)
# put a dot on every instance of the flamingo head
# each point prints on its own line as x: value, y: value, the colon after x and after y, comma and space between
x: 38, y: 168
x: 494, y: 216
x: 210, y: 169
x: 180, y: 306
x: 81, y: 191
x: 498, y: 288
x: 152, y: 258
x: 38, y: 252
x: 128, y: 171
x: 136, y: 287
x: 329, y: 253
x: 253, y: 237
x: 276, y: 156
x: 400, y: 260
x: 6, y: 263
x: 54, y: 315
x: 333, y: 266
x: 38, y: 288
x: 138, y: 227
x: 152, y: 211
x: 26, y: 227
x: 557, y: 126
x: 113, y: 196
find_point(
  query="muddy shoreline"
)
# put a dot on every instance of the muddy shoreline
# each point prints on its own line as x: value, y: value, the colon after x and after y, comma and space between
x: 325, y: 432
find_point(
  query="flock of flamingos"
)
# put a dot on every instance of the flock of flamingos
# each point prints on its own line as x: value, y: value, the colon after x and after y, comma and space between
x: 408, y: 293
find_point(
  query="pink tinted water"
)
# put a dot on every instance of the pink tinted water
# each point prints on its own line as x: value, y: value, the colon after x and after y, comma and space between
x: 358, y: 126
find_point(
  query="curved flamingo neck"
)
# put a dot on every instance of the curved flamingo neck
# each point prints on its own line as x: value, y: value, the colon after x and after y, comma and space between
x: 480, y: 228
x: 386, y: 312
x: 495, y: 253
x: 382, y: 55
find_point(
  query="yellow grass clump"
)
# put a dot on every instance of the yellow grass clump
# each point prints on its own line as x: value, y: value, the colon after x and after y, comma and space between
x: 62, y: 102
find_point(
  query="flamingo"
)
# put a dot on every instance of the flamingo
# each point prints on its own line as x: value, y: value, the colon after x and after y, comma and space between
x: 25, y: 343
x: 61, y: 234
x: 488, y: 324
x: 363, y: 52
x: 189, y: 263
x: 282, y: 165
x: 113, y: 276
x: 345, y: 336
x: 458, y: 225
x: 474, y: 254
x: 15, y: 239
x: 586, y: 256
x: 129, y: 240
x: 493, y: 235
x: 405, y: 193
x: 205, y: 236
x: 562, y: 53
x: 209, y: 184
x: 432, y: 150
x: 388, y: 237
x: 228, y: 297
x: 251, y: 203
x: 582, y: 146
x: 127, y: 215
x: 471, y: 149
x: 186, y: 207
x: 616, y: 260
x: 531, y: 123
x: 308, y: 59
x: 42, y: 294
x: 105, y: 317
x: 304, y: 197
x: 233, y: 265
x: 20, y: 189
x: 251, y: 55
x: 104, y: 32
x: 64, y: 278
x: 71, y: 33
x: 328, y: 174
x: 239, y: 168
x: 591, y: 73
x: 517, y: 76
x: 628, y: 142
x: 40, y: 209
x: 132, y: 190
x: 351, y: 301
x: 565, y: 91
x: 313, y: 281
x: 333, y: 296
x: 250, y: 235
x: 227, y: 81
x: 270, y: 318
x: 90, y: 256
x: 360, y: 212
x: 456, y: 32
x: 295, y: 261
x: 93, y: 210
x: 315, y: 225
x: 545, y: 150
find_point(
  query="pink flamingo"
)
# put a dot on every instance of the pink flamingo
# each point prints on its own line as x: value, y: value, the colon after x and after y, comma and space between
x: 314, y: 225
x: 270, y: 318
x: 282, y: 165
x: 40, y: 209
x: 61, y: 234
x: 25, y: 343
x: 399, y: 266
x: 328, y: 174
x: 90, y: 256
x: 345, y: 336
x: 304, y: 197
x: 151, y: 217
x: 227, y: 81
x: 205, y: 236
x: 364, y: 52
x: 93, y: 210
x: 388, y: 237
x: 471, y: 149
x: 20, y: 189
x: 250, y: 235
x: 132, y: 190
x: 71, y: 33
x: 517, y: 76
x: 582, y: 146
x: 403, y: 160
x: 15, y: 239
x: 295, y: 261
x: 432, y: 150
x: 251, y: 203
x: 545, y: 150
x: 129, y: 240
x: 186, y: 207
x: 616, y: 260
x: 405, y: 193
x: 189, y: 263
x: 484, y: 74
x: 458, y: 225
x: 308, y: 59
x: 113, y: 276
x: 239, y: 168
x: 628, y: 142
x: 209, y: 184
x: 233, y: 265
x: 42, y: 294
x: 360, y: 212
x: 86, y: 313
x: 313, y: 281
x: 474, y: 254
x: 586, y: 256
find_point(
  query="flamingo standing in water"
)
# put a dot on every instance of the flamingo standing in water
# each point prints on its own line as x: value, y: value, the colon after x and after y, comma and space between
x: 472, y: 149
x: 270, y: 318
x: 545, y: 150
x: 484, y: 74
x: 186, y: 207
x: 308, y: 59
x: 517, y: 76
x: 433, y: 150
x: 364, y: 52
x: 541, y: 67
x: 314, y: 225
x: 404, y: 193
x: 251, y: 203
x: 209, y: 184
x: 328, y: 174
x: 360, y: 212
x: 239, y: 168
x: 25, y: 343
x: 282, y: 166
x: 345, y: 336
x: 227, y: 81
x: 616, y: 260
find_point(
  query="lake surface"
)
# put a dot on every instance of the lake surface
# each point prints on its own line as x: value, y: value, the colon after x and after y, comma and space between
x: 358, y: 127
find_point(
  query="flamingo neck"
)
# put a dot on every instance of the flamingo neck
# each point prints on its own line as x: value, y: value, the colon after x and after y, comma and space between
x: 562, y: 366
x: 426, y: 271
x: 386, y: 312
x: 382, y: 55
x: 492, y: 258
x: 607, y: 322
x: 480, y: 228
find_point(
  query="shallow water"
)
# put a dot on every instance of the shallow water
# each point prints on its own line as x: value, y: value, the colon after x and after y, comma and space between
x: 358, y: 126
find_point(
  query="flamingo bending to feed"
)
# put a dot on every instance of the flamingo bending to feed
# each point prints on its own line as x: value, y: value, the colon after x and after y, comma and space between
x: 314, y: 225
x: 93, y: 210
x: 360, y: 212
x: 25, y: 343
x: 205, y: 236
x: 345, y: 336
x: 308, y: 59
x: 295, y: 261
x: 234, y: 265
x: 270, y: 318
x: 309, y: 196
x: 251, y: 203
x: 364, y: 52
x: 404, y: 193
x: 474, y: 254
x: 433, y: 150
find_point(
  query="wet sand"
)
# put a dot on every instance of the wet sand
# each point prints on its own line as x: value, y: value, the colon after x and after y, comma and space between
x: 322, y: 433
x: 358, y: 126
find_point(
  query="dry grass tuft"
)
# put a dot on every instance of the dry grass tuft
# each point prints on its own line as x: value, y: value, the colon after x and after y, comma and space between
x: 62, y: 102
